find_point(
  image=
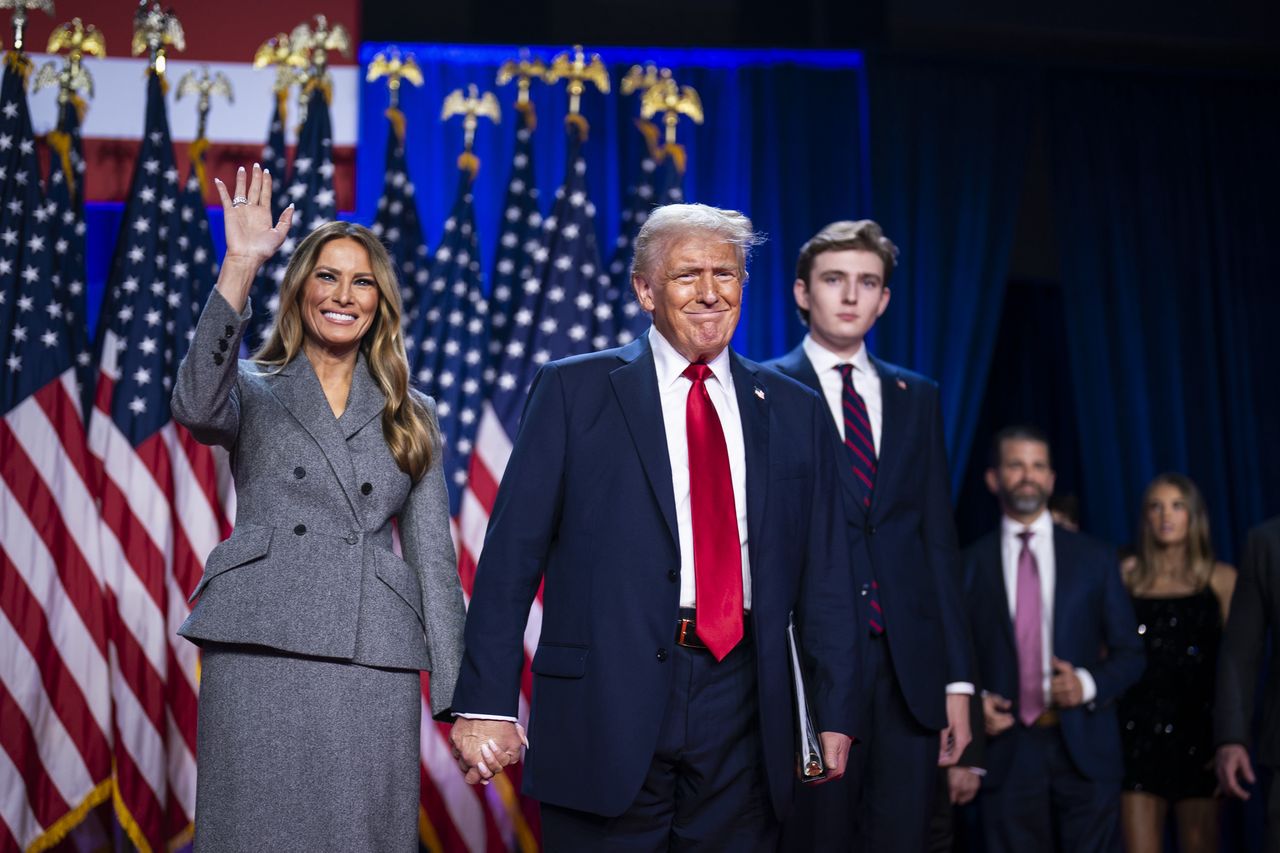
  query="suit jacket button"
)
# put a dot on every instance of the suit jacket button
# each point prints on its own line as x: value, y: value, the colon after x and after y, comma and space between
x: 218, y: 358
x: 300, y: 529
x: 230, y: 331
x: 662, y: 655
x: 222, y: 344
x: 299, y: 472
x: 353, y: 538
x: 673, y: 575
x: 366, y: 488
x: 871, y: 530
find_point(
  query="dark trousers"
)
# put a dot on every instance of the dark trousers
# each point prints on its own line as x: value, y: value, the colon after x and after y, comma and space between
x: 1046, y: 804
x: 706, y: 787
x: 885, y: 801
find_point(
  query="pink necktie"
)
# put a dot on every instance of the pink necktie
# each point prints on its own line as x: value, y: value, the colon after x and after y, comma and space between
x: 1028, y: 629
x: 717, y: 549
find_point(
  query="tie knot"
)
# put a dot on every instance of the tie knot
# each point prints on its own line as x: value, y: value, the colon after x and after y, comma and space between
x: 697, y: 372
x: 1025, y: 536
x: 846, y: 370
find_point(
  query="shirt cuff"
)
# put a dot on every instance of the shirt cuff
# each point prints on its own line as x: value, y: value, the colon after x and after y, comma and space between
x: 1088, y: 687
x: 960, y: 687
x: 976, y: 771
x: 486, y: 717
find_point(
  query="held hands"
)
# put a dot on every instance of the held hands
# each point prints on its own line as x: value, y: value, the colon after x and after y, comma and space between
x: 1233, y: 766
x: 963, y: 784
x: 483, y: 747
x: 995, y: 714
x: 955, y: 738
x: 1065, y: 689
x: 251, y: 236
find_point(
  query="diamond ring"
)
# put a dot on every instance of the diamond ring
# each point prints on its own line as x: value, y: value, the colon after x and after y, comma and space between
x: 239, y: 200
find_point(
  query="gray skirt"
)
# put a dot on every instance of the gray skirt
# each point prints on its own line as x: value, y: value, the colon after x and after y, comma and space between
x: 299, y: 753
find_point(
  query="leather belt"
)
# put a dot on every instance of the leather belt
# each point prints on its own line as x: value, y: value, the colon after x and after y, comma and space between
x: 1048, y: 719
x: 687, y: 628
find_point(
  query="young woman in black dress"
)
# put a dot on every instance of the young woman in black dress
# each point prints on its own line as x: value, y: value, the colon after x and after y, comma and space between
x: 1181, y: 595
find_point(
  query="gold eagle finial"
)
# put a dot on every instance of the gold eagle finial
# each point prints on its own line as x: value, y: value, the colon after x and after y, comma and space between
x: 315, y: 43
x: 396, y: 69
x: 204, y: 86
x: 154, y: 31
x: 472, y: 106
x: 672, y: 100
x: 77, y: 40
x: 524, y: 71
x: 575, y: 68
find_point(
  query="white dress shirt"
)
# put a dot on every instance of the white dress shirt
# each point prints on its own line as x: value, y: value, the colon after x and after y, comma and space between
x: 673, y: 390
x: 1041, y: 545
x: 865, y: 381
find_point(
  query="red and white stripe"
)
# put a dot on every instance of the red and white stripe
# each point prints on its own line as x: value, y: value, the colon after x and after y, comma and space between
x: 55, y: 702
x: 162, y: 514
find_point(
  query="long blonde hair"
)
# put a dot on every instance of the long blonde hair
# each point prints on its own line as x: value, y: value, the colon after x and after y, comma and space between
x: 409, y: 430
x: 1200, y: 559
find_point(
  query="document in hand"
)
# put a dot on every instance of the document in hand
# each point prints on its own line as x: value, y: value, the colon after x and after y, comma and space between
x: 809, y: 764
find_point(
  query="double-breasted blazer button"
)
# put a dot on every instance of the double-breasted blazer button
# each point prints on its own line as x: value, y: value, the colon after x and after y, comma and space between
x: 300, y: 529
x: 222, y: 344
x: 299, y: 472
x: 366, y: 488
x: 353, y: 538
x: 662, y: 655
x: 230, y: 331
x: 218, y: 358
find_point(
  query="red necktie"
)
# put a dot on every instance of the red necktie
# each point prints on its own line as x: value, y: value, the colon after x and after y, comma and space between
x: 717, y: 549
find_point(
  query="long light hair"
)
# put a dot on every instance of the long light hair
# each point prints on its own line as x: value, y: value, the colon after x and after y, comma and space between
x: 410, y: 432
x: 1200, y: 560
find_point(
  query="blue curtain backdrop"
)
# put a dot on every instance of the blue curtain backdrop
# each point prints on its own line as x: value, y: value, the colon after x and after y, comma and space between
x: 948, y: 148
x: 1168, y: 207
x: 784, y: 142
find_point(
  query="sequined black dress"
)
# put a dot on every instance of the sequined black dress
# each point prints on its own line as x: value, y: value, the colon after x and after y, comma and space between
x: 1166, y: 718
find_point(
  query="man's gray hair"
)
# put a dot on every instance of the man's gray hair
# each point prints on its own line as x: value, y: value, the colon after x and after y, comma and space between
x: 674, y: 221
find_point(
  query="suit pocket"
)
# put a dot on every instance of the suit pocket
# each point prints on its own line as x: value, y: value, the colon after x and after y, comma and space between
x: 560, y: 661
x: 399, y: 575
x: 246, y: 544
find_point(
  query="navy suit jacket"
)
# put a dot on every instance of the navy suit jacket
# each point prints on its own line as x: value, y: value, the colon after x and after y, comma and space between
x: 586, y: 505
x: 1093, y: 629
x: 906, y: 540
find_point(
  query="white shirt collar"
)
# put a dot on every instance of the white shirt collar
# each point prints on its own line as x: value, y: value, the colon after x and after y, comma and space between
x: 1042, y: 527
x: 671, y: 364
x: 824, y: 359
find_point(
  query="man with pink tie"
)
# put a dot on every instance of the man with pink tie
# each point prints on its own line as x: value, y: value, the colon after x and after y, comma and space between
x: 1056, y: 644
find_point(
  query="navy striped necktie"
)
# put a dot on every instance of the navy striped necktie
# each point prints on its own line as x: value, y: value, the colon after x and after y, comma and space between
x: 861, y: 453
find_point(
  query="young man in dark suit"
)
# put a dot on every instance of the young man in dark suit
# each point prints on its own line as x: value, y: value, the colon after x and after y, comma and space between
x: 1056, y: 644
x: 1255, y: 608
x: 916, y: 685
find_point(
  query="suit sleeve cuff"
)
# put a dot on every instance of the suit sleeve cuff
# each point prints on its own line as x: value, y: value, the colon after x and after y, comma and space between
x: 486, y: 717
x: 1088, y: 687
x: 963, y: 688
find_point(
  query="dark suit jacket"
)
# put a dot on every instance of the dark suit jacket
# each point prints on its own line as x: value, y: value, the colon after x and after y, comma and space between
x: 1093, y: 629
x: 1255, y: 607
x: 586, y: 506
x: 906, y: 541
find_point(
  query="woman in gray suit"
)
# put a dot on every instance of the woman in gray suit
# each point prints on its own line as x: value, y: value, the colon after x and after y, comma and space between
x: 313, y: 631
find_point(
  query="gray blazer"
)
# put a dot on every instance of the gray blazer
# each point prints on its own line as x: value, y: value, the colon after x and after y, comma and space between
x: 309, y: 568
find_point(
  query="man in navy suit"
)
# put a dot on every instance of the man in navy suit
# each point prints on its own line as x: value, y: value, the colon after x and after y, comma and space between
x: 916, y: 683
x: 676, y: 500
x: 1056, y: 644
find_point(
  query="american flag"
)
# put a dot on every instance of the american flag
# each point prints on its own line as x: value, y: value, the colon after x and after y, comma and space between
x: 447, y: 359
x: 397, y: 222
x: 310, y: 189
x: 55, y: 696
x: 66, y: 193
x: 518, y: 243
x: 275, y: 157
x: 158, y: 488
x: 659, y: 182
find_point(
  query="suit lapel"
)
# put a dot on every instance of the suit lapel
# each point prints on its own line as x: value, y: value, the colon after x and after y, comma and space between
x: 753, y: 408
x: 993, y: 562
x: 636, y: 385
x: 1062, y: 577
x: 298, y: 389
x: 893, y: 415
x: 365, y: 402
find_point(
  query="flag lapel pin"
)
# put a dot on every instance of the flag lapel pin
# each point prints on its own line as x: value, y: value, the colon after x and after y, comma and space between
x: 759, y: 392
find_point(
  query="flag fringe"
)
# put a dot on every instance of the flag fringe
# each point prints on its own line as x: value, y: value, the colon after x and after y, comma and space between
x: 72, y: 819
